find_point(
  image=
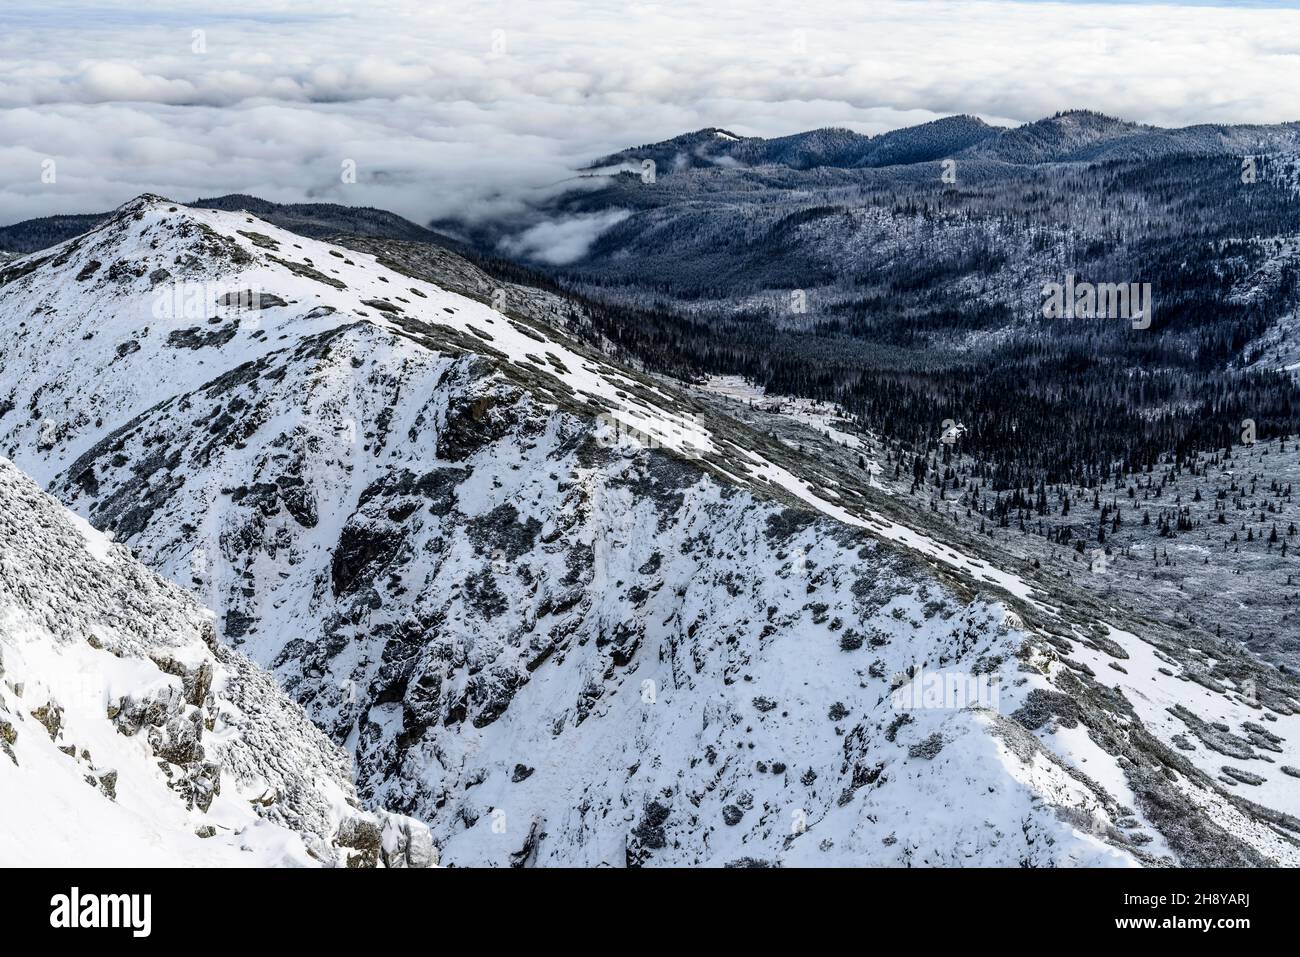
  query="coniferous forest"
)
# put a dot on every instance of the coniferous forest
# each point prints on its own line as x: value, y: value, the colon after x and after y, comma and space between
x: 922, y: 299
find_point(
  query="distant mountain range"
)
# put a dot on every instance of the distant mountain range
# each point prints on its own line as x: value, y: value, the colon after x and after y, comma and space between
x: 825, y: 147
x: 309, y: 219
x: 1077, y: 136
x: 904, y: 273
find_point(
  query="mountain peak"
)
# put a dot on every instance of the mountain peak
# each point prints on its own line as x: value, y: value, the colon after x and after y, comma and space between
x: 143, y: 202
x: 1086, y: 114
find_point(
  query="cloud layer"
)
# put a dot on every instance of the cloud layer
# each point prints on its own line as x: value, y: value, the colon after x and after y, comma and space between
x: 472, y: 107
x: 563, y: 240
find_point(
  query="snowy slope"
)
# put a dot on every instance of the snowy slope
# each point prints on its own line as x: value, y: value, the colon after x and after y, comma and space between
x: 129, y: 737
x: 157, y: 301
x: 563, y: 612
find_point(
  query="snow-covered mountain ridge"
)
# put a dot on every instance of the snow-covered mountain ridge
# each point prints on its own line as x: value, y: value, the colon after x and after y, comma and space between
x: 569, y: 615
x: 128, y: 735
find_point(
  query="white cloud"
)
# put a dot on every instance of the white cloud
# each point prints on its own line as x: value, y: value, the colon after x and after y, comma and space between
x: 107, y: 81
x: 564, y: 240
x: 442, y: 122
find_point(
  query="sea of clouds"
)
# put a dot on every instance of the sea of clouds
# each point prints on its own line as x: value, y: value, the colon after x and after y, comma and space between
x: 474, y: 108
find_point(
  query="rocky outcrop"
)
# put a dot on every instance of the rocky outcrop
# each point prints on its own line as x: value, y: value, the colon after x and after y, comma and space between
x: 97, y: 653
